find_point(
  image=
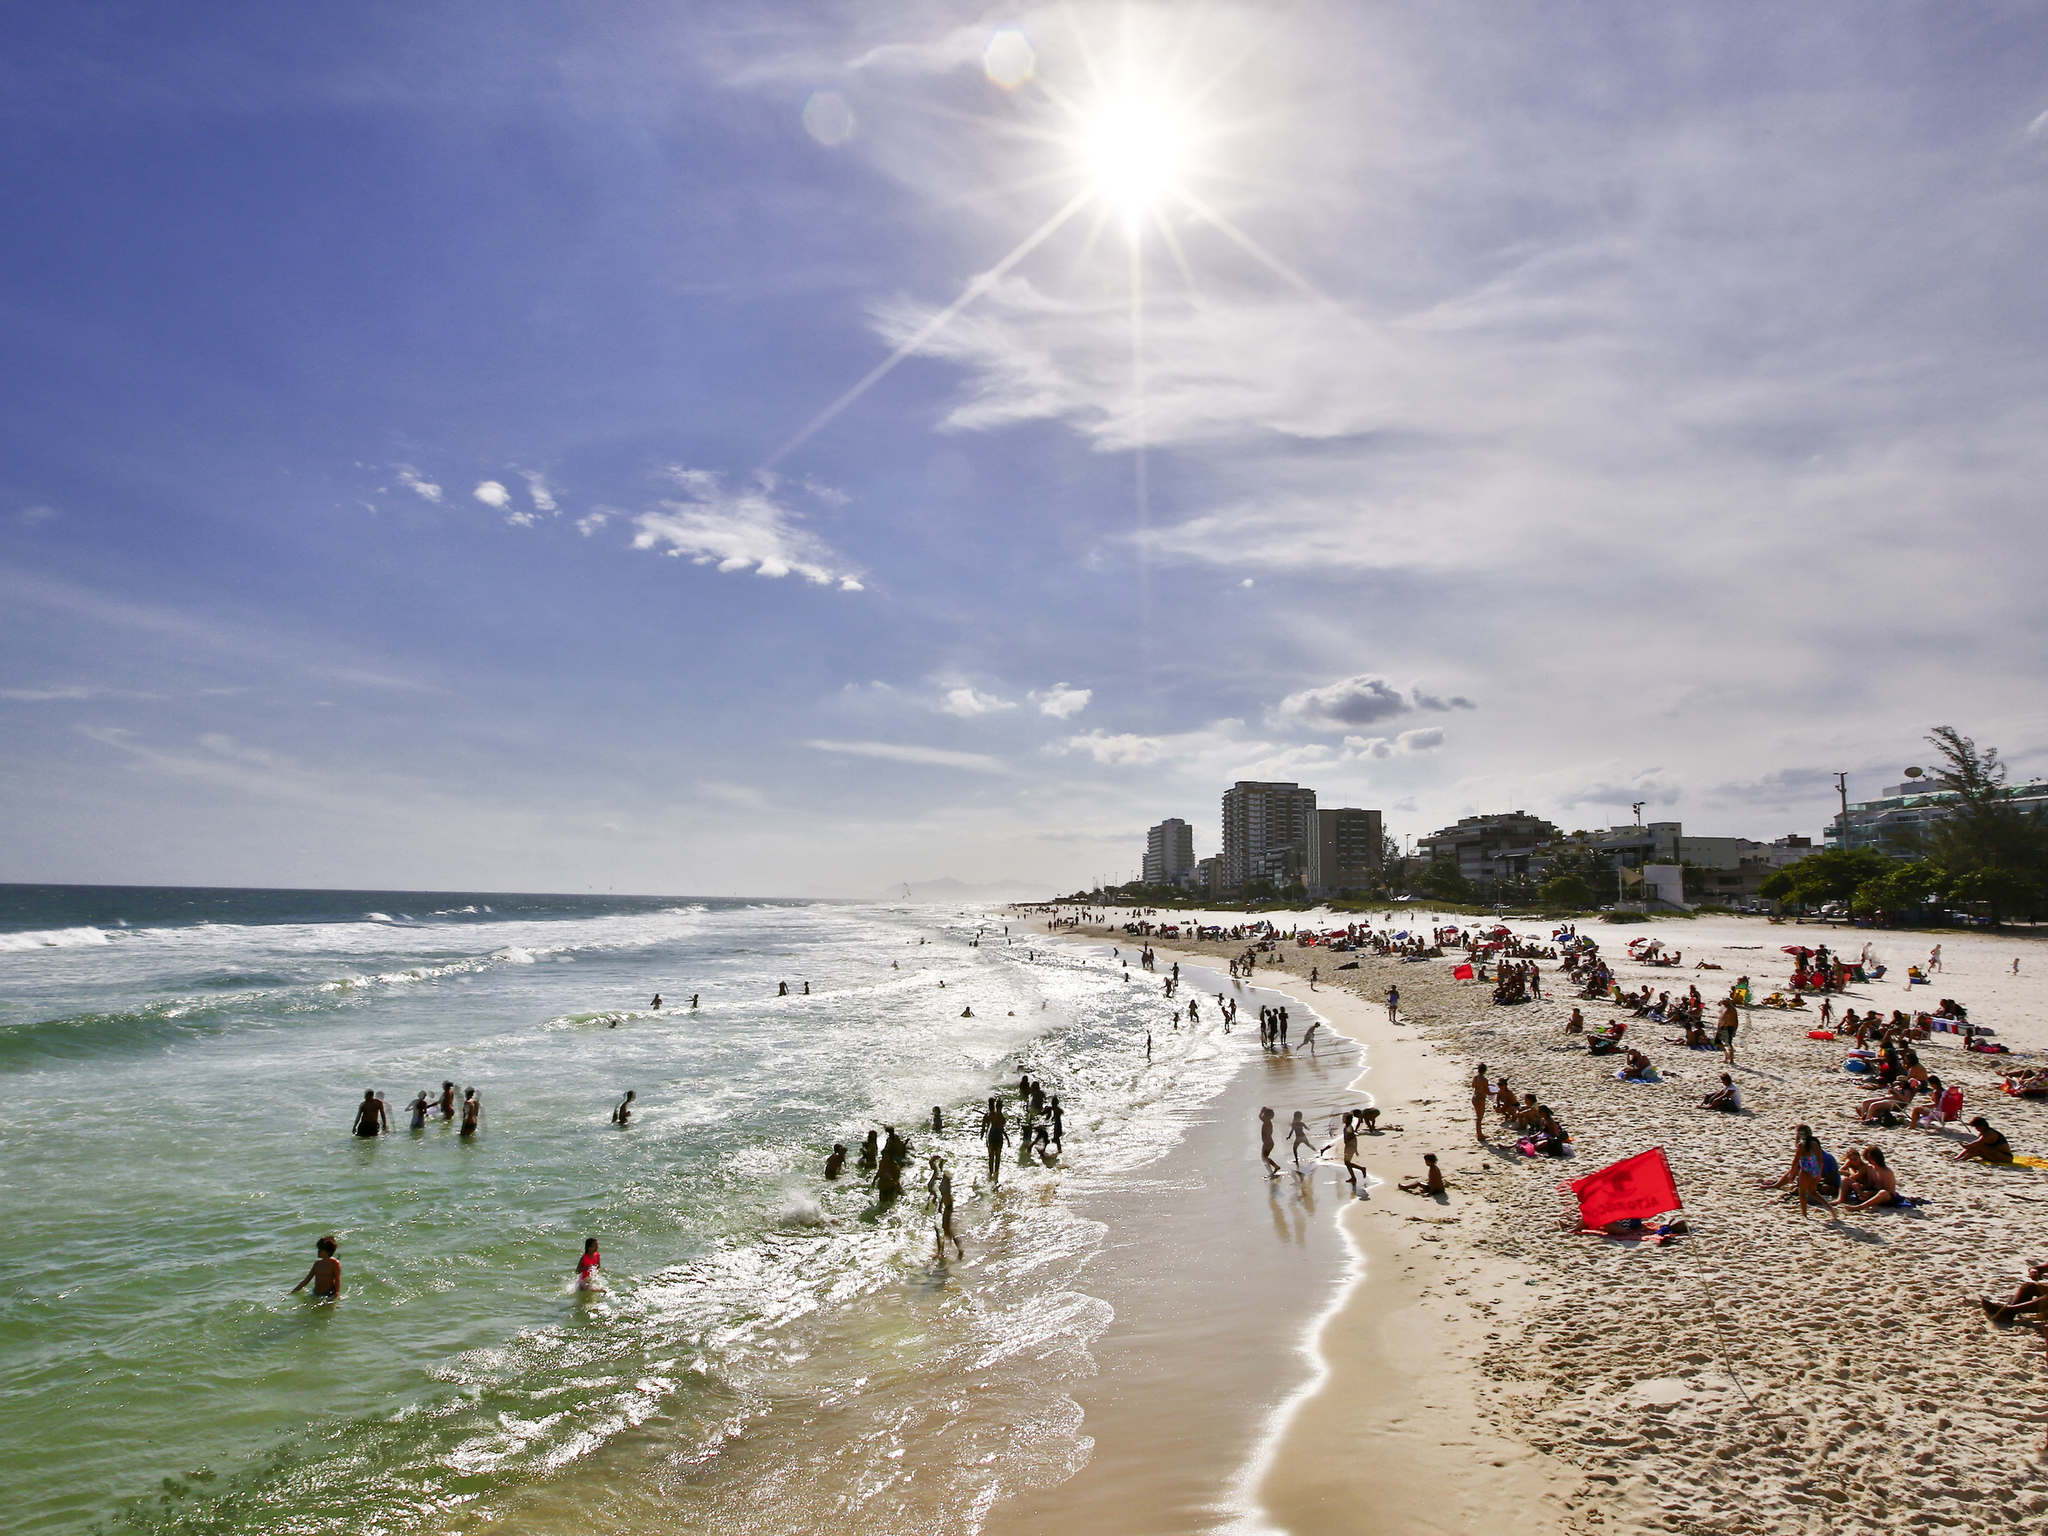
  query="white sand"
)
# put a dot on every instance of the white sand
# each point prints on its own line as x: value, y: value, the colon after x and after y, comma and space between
x: 1760, y: 1375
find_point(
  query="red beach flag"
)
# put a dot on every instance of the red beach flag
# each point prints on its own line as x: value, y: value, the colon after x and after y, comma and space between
x: 1639, y: 1186
x: 1462, y: 973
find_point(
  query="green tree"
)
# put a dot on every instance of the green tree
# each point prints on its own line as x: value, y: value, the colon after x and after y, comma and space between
x: 1983, y: 830
x: 1566, y: 893
x: 1443, y: 881
x: 1834, y: 875
x: 2002, y: 892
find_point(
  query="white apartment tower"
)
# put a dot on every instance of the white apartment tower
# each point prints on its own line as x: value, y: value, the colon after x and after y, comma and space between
x: 1169, y: 852
x: 1267, y: 832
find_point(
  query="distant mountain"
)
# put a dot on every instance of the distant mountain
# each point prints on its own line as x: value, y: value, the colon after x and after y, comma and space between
x: 948, y: 889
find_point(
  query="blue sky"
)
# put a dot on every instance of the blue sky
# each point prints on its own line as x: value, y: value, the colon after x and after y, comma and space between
x: 418, y: 467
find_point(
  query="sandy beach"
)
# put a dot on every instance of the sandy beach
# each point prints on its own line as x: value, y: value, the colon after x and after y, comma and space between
x: 1762, y: 1373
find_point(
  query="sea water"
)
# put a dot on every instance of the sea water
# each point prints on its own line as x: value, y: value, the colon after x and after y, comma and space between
x: 774, y: 1351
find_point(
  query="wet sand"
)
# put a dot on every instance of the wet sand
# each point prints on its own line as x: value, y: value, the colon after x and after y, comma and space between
x: 1211, y: 1267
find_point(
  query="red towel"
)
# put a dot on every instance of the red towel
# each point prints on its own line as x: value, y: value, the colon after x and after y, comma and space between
x: 1639, y: 1186
x: 1462, y: 973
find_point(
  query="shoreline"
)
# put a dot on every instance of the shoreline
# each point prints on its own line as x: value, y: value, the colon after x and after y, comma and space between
x: 1362, y: 1375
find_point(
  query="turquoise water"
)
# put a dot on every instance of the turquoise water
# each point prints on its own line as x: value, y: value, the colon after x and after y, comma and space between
x: 773, y: 1351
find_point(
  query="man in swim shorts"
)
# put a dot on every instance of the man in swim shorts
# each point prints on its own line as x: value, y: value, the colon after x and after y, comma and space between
x: 372, y: 1119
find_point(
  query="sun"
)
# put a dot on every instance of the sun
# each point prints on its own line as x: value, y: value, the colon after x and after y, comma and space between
x: 1137, y: 150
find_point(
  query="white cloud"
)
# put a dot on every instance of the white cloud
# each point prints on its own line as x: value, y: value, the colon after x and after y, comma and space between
x: 72, y: 693
x: 746, y: 796
x: 39, y: 513
x: 932, y: 757
x: 1062, y: 702
x: 2038, y: 128
x: 969, y: 703
x: 738, y: 530
x: 590, y: 522
x: 537, y: 491
x: 409, y: 477
x: 492, y: 494
x: 1420, y: 741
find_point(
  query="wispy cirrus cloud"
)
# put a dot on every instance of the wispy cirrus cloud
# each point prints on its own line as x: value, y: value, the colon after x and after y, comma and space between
x: 413, y: 481
x: 967, y: 703
x: 737, y: 530
x: 902, y: 752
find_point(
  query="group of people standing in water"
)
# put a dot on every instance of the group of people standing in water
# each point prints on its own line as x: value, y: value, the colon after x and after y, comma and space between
x: 373, y: 1116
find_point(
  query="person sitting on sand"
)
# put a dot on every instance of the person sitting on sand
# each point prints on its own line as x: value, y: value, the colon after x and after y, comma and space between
x: 2027, y: 1085
x: 1576, y: 1024
x: 1888, y: 1109
x: 1727, y: 1098
x: 1529, y: 1116
x: 1989, y: 1147
x: 2030, y: 1300
x: 1548, y: 1137
x: 1635, y: 1068
x: 1857, y: 1181
x: 1878, y: 1178
x: 1504, y: 1101
x: 1432, y: 1181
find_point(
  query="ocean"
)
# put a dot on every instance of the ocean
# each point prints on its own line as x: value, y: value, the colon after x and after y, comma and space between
x: 774, y: 1353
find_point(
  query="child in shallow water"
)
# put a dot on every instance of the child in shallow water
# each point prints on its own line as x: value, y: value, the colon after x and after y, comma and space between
x: 587, y: 1277
x: 325, y: 1275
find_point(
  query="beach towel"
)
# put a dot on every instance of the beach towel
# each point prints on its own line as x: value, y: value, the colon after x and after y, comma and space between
x: 1462, y: 973
x: 2030, y: 1162
x: 1820, y: 1034
x: 1639, y: 1186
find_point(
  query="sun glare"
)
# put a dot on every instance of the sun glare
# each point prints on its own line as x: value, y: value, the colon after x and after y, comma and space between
x: 1135, y: 149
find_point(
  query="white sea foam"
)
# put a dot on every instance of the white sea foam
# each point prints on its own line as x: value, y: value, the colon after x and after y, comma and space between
x: 53, y: 938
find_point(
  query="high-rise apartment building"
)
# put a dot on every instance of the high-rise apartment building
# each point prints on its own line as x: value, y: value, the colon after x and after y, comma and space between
x: 1267, y: 832
x: 1169, y: 852
x: 1345, y: 853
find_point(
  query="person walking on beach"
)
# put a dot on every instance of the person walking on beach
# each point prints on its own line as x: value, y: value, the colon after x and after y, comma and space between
x: 325, y: 1275
x: 1297, y: 1137
x: 1266, y: 1143
x: 1482, y: 1095
x: 1393, y: 1005
x: 995, y: 1136
x: 1934, y: 960
x: 623, y: 1115
x: 945, y: 1228
x: 371, y: 1116
x: 1724, y: 1031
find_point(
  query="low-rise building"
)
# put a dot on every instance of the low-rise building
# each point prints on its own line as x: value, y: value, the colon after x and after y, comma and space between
x: 1488, y: 849
x: 1894, y: 821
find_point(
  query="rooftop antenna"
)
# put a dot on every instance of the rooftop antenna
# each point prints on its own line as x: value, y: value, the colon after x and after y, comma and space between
x: 1638, y: 808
